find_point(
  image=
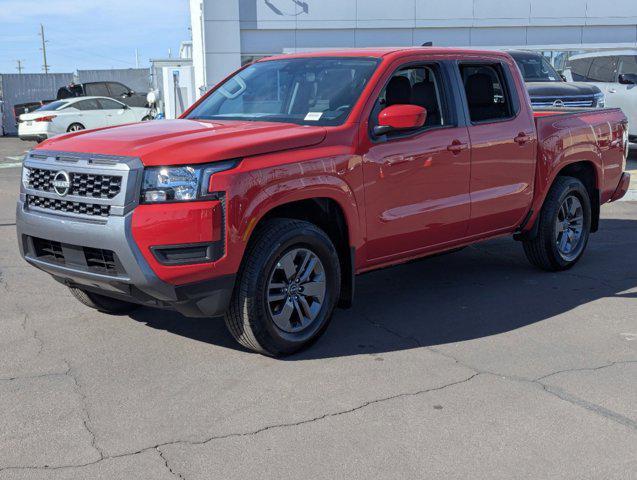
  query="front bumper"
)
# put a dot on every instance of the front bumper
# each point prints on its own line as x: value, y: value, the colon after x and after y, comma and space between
x: 78, y: 238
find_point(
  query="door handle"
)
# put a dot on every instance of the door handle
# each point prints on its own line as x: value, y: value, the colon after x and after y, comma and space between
x: 456, y: 147
x: 612, y: 90
x: 522, y: 139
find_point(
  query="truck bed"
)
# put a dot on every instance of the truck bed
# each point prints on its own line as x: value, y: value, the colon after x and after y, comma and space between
x: 581, y: 135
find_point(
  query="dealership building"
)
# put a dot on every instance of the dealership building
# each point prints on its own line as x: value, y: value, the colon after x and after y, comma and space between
x: 229, y: 33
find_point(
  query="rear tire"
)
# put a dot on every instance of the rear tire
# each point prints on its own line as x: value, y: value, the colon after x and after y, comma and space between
x: 75, y: 127
x: 564, y: 227
x: 102, y: 303
x: 286, y: 289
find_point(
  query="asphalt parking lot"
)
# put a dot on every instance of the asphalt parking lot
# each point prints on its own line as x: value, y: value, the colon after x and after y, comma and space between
x: 470, y: 365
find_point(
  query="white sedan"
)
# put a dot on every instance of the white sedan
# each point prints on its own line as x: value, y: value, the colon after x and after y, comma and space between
x: 74, y: 114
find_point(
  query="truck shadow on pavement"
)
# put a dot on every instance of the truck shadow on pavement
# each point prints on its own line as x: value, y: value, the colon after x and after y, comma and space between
x: 480, y: 291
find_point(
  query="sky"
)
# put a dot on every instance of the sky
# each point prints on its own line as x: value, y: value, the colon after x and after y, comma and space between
x: 89, y: 34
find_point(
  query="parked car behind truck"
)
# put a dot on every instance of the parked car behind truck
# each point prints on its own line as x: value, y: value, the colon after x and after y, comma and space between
x: 115, y: 90
x: 615, y: 73
x: 547, y: 88
x: 75, y: 114
x: 272, y: 192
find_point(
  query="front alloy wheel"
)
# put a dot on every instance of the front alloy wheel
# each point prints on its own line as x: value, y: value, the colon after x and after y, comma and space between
x: 296, y: 290
x: 286, y: 289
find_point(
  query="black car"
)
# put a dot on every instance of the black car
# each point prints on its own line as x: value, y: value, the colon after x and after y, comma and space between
x: 115, y: 90
x: 547, y: 88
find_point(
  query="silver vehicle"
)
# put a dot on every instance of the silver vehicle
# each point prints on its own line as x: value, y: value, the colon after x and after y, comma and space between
x: 615, y: 73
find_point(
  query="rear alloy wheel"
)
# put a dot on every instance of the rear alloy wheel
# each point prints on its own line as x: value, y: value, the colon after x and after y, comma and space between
x: 75, y: 127
x: 286, y: 289
x: 564, y: 227
x: 569, y: 228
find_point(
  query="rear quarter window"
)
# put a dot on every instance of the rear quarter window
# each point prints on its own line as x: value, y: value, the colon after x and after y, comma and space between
x: 603, y: 69
x: 579, y: 69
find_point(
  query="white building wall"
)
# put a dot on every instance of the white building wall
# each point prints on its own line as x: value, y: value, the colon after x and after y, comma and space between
x: 236, y: 28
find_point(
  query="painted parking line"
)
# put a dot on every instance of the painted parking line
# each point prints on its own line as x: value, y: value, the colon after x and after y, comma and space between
x: 12, y: 162
x: 631, y: 196
x: 10, y: 165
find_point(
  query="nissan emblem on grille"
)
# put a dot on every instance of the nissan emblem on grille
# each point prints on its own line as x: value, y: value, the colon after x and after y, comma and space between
x: 61, y: 183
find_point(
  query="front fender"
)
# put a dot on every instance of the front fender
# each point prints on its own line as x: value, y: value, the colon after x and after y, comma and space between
x: 257, y: 188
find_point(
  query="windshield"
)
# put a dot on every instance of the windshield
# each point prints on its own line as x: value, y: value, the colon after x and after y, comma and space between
x: 52, y: 106
x: 305, y: 91
x: 536, y: 69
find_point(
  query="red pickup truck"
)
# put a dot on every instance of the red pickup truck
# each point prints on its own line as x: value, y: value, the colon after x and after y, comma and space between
x: 266, y: 198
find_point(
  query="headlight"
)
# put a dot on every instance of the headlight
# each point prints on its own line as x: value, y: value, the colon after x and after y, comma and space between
x: 600, y: 100
x: 180, y: 184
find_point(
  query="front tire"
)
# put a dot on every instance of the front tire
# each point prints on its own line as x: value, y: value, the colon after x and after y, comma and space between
x: 102, y: 303
x: 287, y: 288
x: 564, y: 228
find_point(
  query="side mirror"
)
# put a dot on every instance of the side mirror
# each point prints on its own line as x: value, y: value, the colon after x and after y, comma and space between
x: 400, y: 117
x: 628, y: 79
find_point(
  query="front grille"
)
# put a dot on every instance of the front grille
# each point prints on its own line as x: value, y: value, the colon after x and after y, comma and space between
x: 67, y: 206
x: 572, y: 102
x: 82, y: 184
x: 95, y: 260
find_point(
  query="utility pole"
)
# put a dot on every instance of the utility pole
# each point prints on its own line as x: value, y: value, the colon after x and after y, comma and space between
x: 136, y: 58
x: 19, y: 67
x: 45, y: 65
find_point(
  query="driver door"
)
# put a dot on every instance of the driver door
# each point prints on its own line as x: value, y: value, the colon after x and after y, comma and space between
x: 417, y: 182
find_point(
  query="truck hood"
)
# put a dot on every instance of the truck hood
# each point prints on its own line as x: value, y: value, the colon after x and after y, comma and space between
x: 561, y: 89
x: 180, y: 142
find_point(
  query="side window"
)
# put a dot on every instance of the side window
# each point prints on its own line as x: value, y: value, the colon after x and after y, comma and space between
x: 416, y: 85
x: 487, y: 95
x: 96, y: 90
x: 117, y: 89
x: 90, y: 104
x: 579, y: 69
x: 603, y: 69
x: 628, y: 64
x: 110, y: 104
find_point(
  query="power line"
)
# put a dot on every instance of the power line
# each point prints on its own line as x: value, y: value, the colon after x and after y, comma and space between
x: 45, y: 65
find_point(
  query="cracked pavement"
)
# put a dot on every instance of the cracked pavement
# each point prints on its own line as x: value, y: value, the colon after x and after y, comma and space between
x: 471, y: 365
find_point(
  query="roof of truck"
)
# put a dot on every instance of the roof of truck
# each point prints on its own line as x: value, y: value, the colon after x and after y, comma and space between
x: 379, y: 52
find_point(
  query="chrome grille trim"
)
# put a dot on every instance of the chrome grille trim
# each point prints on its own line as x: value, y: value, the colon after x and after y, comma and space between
x: 68, y: 206
x: 82, y: 184
x: 100, y: 185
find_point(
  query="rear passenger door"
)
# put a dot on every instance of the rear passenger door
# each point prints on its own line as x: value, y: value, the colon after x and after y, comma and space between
x: 503, y: 146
